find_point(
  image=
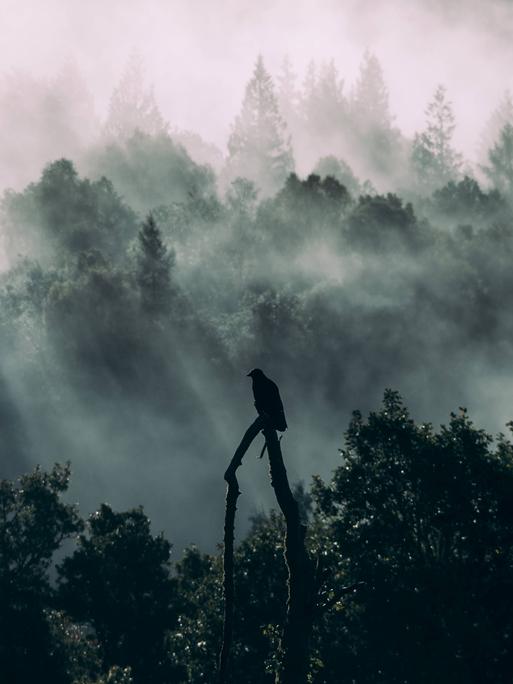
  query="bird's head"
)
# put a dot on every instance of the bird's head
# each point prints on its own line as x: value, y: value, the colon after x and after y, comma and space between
x: 255, y: 373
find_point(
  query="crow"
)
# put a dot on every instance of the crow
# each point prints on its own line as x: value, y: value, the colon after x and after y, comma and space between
x: 267, y: 400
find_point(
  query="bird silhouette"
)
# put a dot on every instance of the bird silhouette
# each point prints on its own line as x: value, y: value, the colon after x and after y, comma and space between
x: 267, y: 399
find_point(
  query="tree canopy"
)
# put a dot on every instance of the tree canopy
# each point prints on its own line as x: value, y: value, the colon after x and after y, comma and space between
x: 259, y: 146
x: 420, y: 518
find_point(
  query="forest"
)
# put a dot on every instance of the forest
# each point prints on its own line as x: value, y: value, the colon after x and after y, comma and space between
x: 145, y: 274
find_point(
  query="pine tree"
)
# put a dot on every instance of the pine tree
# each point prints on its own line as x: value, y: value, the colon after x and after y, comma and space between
x: 259, y: 148
x: 500, y: 160
x: 378, y: 142
x: 308, y: 102
x: 502, y: 115
x: 307, y: 137
x: 323, y: 114
x: 132, y: 105
x: 370, y: 101
x: 331, y: 108
x: 434, y: 160
x: 154, y: 263
x: 288, y: 95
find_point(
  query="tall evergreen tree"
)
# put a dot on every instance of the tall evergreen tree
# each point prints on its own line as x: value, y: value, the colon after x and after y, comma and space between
x: 287, y: 94
x: 322, y: 102
x: 501, y: 116
x: 330, y: 110
x: 434, y: 160
x: 500, y: 162
x: 370, y: 101
x: 323, y: 113
x: 132, y: 105
x: 154, y: 263
x: 306, y: 144
x: 259, y: 148
x: 377, y: 141
x: 308, y: 94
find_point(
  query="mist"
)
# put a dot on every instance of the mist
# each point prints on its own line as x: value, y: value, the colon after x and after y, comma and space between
x: 335, y: 287
x: 199, y: 55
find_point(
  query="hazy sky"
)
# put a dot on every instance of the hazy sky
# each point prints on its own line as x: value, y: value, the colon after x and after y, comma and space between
x: 199, y: 53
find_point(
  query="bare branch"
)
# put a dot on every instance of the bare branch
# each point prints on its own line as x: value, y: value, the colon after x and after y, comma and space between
x: 232, y: 494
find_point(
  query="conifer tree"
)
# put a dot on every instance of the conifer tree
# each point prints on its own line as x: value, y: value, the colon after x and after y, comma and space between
x: 370, y: 101
x: 287, y: 93
x: 323, y: 113
x: 378, y: 142
x: 307, y: 139
x: 309, y: 94
x: 259, y: 148
x: 132, y: 105
x: 501, y: 116
x: 435, y: 161
x: 330, y: 110
x: 500, y: 162
x: 154, y: 263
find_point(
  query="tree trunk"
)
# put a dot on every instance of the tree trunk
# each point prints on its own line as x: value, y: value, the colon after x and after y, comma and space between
x: 295, y: 641
x: 232, y: 494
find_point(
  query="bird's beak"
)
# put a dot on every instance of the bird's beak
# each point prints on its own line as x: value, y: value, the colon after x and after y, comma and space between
x: 248, y: 375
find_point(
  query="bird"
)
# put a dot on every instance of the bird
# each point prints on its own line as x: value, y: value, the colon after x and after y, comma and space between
x: 267, y: 399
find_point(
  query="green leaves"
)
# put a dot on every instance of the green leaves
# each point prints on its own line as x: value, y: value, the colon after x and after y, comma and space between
x: 119, y: 582
x: 500, y: 162
x: 422, y: 517
x: 434, y: 160
x: 34, y: 521
x: 154, y: 263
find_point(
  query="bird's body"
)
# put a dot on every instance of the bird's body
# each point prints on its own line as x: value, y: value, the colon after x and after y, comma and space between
x: 267, y: 399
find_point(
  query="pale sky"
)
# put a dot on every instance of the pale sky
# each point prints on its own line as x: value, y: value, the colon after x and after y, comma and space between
x: 200, y: 53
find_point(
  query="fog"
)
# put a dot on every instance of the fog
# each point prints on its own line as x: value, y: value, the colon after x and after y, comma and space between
x: 199, y: 54
x: 133, y: 364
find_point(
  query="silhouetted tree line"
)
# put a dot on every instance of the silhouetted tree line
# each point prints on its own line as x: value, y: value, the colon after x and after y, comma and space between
x: 423, y: 517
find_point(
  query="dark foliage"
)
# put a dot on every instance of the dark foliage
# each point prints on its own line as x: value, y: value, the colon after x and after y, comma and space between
x: 379, y: 223
x: 422, y: 517
x: 118, y: 581
x: 425, y: 519
x: 65, y: 213
x: 34, y: 522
